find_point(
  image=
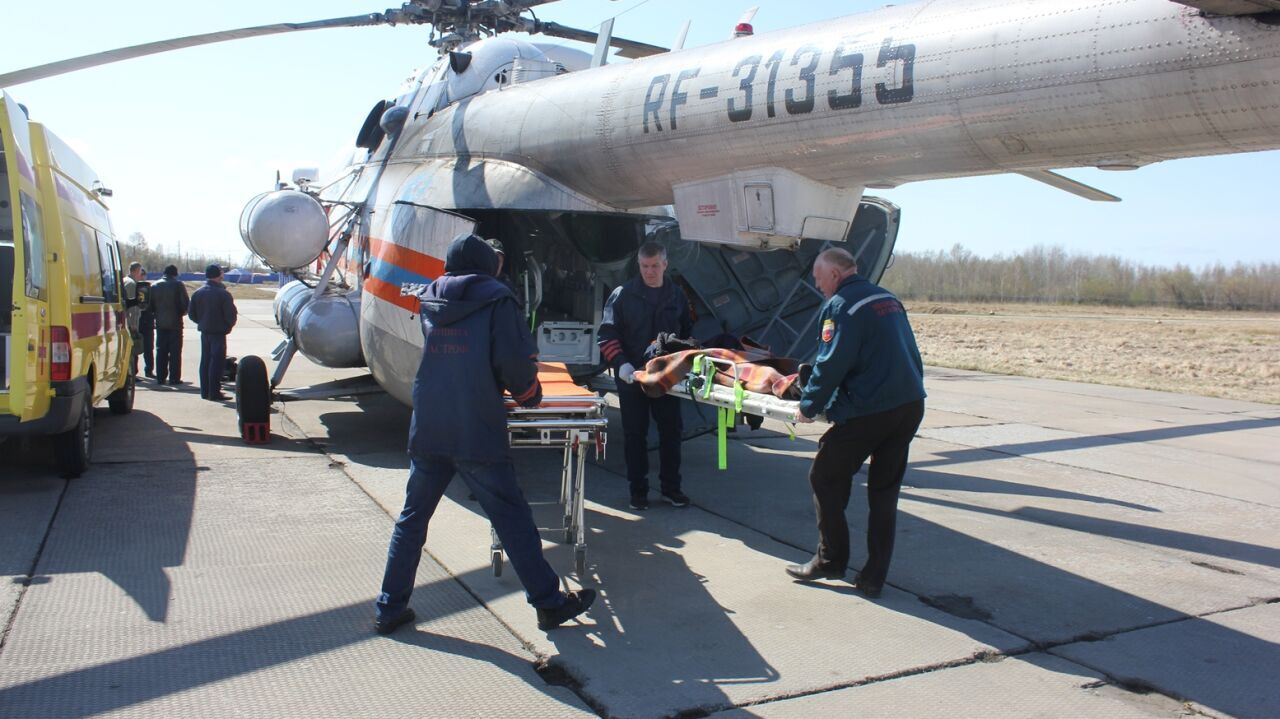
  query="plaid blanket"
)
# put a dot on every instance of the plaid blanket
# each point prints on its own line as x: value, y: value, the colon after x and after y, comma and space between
x: 756, y: 368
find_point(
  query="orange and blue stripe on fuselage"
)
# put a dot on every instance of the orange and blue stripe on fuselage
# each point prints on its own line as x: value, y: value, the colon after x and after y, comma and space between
x: 393, y: 266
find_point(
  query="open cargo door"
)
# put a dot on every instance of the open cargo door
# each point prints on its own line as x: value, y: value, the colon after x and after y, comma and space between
x: 24, y: 306
x: 770, y: 296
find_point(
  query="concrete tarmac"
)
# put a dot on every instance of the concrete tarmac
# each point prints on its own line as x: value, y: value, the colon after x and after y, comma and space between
x: 1063, y: 549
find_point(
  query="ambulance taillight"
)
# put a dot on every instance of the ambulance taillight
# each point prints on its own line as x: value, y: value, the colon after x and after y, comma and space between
x: 61, y: 354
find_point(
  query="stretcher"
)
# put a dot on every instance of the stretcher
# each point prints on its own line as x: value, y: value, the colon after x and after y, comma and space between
x: 700, y: 386
x: 571, y: 419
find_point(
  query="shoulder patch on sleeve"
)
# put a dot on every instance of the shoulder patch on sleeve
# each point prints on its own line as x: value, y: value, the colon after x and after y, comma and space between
x: 828, y: 329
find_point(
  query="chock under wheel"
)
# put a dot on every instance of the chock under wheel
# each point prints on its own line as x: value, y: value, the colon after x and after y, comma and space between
x: 256, y: 432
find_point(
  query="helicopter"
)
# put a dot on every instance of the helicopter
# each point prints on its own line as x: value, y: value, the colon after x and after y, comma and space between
x: 744, y: 157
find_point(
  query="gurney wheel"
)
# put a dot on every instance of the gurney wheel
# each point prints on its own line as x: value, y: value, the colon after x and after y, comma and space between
x: 495, y: 560
x: 580, y: 561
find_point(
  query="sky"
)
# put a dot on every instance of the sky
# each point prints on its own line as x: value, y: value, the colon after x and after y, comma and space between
x: 186, y: 138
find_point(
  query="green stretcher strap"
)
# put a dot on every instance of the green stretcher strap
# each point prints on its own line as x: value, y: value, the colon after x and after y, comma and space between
x: 722, y: 437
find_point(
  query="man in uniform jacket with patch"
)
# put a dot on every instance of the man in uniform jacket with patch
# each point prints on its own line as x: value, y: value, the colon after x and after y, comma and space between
x: 475, y: 346
x: 869, y: 380
x: 635, y: 314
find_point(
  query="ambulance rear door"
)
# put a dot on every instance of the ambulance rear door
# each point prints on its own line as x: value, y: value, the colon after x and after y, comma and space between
x: 26, y: 286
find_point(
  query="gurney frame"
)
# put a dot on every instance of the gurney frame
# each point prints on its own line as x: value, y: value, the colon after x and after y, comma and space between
x: 571, y: 424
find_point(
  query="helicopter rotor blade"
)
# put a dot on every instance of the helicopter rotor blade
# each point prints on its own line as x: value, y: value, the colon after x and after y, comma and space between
x: 60, y: 67
x: 629, y: 49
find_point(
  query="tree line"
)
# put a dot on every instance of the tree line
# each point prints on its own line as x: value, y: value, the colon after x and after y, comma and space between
x: 156, y: 257
x: 1052, y: 275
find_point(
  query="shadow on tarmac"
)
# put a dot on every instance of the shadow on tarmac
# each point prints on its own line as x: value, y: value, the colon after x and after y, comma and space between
x: 132, y: 549
x: 930, y: 559
x: 1021, y: 449
x: 139, y: 679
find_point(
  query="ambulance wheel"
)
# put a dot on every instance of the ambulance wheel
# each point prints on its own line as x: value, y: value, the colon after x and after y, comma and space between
x: 253, y: 391
x: 121, y: 401
x: 74, y: 448
x: 580, y: 561
x: 495, y: 559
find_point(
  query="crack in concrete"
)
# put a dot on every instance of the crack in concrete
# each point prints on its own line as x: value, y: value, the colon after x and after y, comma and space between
x: 982, y: 657
x: 551, y: 673
x: 557, y: 674
x: 31, y: 570
x: 1032, y: 646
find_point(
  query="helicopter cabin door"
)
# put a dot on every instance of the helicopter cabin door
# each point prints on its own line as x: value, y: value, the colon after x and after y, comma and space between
x: 769, y: 296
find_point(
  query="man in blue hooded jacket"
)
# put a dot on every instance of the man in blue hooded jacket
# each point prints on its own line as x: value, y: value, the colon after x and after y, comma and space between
x: 475, y: 345
x: 869, y: 380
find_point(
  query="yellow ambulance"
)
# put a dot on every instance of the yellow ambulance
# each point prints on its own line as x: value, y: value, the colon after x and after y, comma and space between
x: 65, y: 344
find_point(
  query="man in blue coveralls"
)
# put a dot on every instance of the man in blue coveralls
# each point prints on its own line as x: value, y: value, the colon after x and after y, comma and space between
x: 475, y: 346
x: 869, y: 380
x: 214, y: 312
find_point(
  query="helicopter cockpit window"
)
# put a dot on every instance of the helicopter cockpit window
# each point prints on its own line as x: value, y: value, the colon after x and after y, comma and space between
x: 433, y: 94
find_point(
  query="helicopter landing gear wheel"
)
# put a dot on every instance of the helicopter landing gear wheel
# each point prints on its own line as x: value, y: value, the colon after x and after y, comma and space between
x: 253, y: 400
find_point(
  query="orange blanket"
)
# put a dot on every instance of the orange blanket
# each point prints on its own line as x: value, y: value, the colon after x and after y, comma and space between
x: 757, y: 369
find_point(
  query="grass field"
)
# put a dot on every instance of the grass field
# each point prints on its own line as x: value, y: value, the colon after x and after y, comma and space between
x: 1219, y: 354
x: 242, y: 292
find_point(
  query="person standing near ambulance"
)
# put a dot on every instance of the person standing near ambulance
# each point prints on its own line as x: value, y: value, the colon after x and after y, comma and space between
x: 869, y: 380
x: 134, y: 302
x: 635, y: 314
x: 214, y: 312
x: 475, y: 346
x: 169, y: 303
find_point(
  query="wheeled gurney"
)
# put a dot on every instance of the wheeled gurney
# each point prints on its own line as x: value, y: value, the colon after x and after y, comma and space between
x: 570, y: 418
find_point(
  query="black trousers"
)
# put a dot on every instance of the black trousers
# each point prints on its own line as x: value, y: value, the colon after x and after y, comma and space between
x: 147, y: 326
x: 637, y: 407
x: 885, y: 437
x: 213, y: 356
x: 168, y: 355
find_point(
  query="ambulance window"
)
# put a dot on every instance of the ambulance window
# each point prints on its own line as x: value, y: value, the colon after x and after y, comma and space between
x: 85, y: 284
x: 6, y: 216
x: 110, y: 271
x: 33, y: 248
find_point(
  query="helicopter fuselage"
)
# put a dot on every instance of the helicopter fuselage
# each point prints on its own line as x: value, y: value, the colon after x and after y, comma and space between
x: 816, y: 114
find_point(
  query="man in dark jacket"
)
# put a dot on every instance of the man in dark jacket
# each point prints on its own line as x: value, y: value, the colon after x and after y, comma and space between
x: 633, y: 317
x: 869, y: 380
x: 169, y: 303
x: 475, y: 345
x: 214, y: 312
